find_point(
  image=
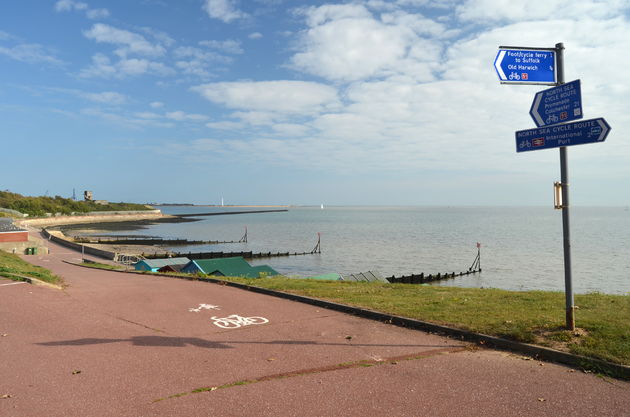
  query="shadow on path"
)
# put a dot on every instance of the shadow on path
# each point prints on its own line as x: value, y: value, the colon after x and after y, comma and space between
x: 164, y: 341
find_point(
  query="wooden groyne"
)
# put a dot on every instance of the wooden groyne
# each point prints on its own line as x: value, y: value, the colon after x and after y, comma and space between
x: 425, y: 279
x: 145, y: 241
x: 245, y: 254
x: 214, y: 255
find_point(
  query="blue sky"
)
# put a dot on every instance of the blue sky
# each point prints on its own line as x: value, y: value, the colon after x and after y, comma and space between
x: 291, y: 102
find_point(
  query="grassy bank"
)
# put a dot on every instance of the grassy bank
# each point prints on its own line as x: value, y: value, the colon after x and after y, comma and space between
x: 12, y: 265
x: 40, y: 206
x: 533, y: 317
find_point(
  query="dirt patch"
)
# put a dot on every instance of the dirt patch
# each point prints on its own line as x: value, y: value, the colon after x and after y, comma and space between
x: 560, y: 339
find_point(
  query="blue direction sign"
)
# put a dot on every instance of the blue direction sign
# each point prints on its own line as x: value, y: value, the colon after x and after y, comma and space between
x: 526, y: 66
x: 569, y: 134
x: 556, y: 105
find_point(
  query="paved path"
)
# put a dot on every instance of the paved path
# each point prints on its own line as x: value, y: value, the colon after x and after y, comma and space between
x: 116, y: 344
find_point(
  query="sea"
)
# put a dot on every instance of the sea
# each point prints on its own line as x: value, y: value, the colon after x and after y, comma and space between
x: 521, y: 248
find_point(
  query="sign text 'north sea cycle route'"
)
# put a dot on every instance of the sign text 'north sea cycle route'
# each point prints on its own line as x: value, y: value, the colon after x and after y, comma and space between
x: 569, y: 134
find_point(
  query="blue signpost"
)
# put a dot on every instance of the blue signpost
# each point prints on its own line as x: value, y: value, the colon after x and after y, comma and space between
x: 516, y: 65
x: 568, y: 134
x: 557, y: 105
x: 520, y: 65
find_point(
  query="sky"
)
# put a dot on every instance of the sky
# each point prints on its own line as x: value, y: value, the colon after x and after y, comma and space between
x: 367, y: 102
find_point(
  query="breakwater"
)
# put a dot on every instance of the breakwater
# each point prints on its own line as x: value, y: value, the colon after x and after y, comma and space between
x: 425, y: 279
x: 150, y: 241
x: 223, y: 213
x: 214, y: 255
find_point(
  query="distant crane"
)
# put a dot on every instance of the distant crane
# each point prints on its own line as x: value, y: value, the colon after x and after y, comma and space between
x: 74, y: 194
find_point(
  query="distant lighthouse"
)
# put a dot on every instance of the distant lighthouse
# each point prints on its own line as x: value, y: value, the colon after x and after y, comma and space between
x: 221, y: 201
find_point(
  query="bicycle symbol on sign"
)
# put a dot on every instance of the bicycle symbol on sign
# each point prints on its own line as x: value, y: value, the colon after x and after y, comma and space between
x: 514, y: 76
x: 525, y: 144
x: 235, y: 321
x: 552, y: 119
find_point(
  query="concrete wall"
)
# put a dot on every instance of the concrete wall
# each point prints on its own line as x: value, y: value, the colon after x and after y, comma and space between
x: 92, y: 218
x: 57, y: 238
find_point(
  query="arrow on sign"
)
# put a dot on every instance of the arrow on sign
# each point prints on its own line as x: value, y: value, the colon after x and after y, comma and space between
x: 497, y: 65
x: 568, y: 134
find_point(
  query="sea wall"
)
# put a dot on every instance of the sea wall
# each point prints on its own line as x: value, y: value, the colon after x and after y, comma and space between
x: 93, y: 217
x: 57, y: 237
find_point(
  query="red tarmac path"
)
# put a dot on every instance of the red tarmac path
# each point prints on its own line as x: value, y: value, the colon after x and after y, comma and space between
x: 115, y: 344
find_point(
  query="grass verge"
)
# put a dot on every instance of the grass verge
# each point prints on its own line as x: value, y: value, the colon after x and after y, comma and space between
x: 12, y: 265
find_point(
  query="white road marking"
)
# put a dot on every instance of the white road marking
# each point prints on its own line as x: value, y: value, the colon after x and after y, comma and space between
x: 13, y: 283
x: 234, y: 321
x: 203, y: 307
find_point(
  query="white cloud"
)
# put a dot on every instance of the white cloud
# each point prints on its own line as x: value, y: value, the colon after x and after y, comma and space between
x: 255, y: 35
x: 199, y: 61
x: 197, y: 68
x: 69, y: 5
x: 97, y: 13
x: 278, y: 96
x: 147, y: 115
x: 229, y: 46
x: 104, y: 68
x: 225, y: 125
x: 224, y: 10
x: 317, y: 16
x: 156, y: 104
x: 31, y: 53
x: 519, y: 10
x: 199, y: 54
x: 106, y: 97
x: 259, y: 118
x: 136, y: 66
x: 181, y: 116
x: 290, y: 129
x: 125, y: 121
x: 347, y: 43
x: 130, y: 42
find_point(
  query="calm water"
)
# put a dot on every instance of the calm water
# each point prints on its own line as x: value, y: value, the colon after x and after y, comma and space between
x: 521, y: 247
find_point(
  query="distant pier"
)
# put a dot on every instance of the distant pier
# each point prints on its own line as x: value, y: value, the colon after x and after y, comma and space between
x: 229, y: 212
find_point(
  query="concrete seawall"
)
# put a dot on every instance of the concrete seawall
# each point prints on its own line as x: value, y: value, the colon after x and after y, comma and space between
x: 58, y: 237
x: 91, y: 218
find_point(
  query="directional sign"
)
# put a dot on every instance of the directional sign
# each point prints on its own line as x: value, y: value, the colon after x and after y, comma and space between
x: 526, y: 66
x: 556, y: 105
x: 569, y: 134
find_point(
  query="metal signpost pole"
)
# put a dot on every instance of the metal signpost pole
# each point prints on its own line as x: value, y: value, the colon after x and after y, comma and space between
x: 564, y: 180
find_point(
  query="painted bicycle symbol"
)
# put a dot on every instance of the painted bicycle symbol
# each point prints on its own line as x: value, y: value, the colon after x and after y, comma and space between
x: 235, y: 321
